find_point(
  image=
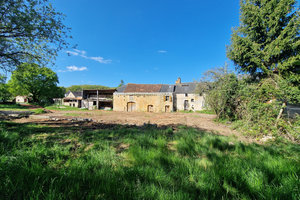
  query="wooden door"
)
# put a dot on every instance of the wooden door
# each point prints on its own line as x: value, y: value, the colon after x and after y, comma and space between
x: 131, y: 107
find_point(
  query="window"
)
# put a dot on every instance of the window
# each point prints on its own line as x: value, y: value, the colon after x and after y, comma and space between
x: 94, y: 103
x: 150, y: 108
x: 186, y: 94
x: 192, y: 100
x: 167, y: 98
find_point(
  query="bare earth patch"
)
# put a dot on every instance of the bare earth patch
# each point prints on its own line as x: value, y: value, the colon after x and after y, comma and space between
x: 196, y: 120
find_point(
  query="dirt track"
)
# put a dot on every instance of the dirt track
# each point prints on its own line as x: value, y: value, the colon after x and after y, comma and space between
x: 201, y: 121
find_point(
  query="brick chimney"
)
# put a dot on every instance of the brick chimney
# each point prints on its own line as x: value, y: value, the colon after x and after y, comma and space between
x: 178, y: 81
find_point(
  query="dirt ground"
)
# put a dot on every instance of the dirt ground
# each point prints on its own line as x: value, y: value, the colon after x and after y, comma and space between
x: 197, y: 120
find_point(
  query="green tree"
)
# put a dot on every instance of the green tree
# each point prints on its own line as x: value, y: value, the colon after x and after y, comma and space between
x: 221, y: 88
x: 38, y: 82
x: 79, y: 88
x: 60, y: 92
x: 30, y: 31
x: 4, y: 93
x: 267, y: 40
x: 121, y: 83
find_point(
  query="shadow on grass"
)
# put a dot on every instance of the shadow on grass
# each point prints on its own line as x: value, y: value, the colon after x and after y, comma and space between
x: 12, y: 106
x: 86, y: 162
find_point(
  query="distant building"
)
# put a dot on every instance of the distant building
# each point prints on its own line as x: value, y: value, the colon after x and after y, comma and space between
x: 22, y: 99
x: 158, y: 97
x: 72, y: 99
x: 186, y: 97
x: 144, y: 97
x: 98, y: 99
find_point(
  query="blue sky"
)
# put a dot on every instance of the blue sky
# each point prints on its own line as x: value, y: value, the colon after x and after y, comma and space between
x: 144, y: 41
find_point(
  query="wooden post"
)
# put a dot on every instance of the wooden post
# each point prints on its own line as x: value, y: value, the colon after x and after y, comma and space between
x: 280, y: 112
x: 97, y: 99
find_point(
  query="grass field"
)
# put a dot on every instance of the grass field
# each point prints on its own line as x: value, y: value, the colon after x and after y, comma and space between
x: 200, y: 111
x: 62, y: 108
x: 122, y: 162
x: 16, y: 107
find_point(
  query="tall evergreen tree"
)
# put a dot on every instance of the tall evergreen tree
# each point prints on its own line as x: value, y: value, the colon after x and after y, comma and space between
x: 267, y: 39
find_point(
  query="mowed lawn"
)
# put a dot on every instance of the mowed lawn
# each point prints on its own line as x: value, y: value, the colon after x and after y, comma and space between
x: 128, y: 162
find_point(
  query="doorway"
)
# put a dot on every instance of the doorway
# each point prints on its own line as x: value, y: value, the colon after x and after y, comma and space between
x: 167, y: 108
x: 131, y: 106
x: 186, y: 104
x: 150, y: 108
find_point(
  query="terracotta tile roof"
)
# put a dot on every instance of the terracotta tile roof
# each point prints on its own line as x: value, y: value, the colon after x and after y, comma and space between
x: 142, y: 88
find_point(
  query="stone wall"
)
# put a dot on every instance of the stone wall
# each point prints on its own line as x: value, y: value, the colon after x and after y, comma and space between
x: 143, y: 102
x: 72, y: 103
x: 195, y: 102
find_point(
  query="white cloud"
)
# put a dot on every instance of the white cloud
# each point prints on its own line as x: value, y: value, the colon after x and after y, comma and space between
x: 83, y: 54
x: 100, y: 60
x: 80, y: 52
x: 162, y: 51
x: 74, y: 68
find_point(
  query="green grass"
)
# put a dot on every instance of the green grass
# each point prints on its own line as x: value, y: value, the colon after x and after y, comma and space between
x: 62, y: 107
x: 39, y: 111
x: 73, y: 114
x: 200, y: 111
x: 211, y: 112
x: 128, y: 162
x: 16, y: 107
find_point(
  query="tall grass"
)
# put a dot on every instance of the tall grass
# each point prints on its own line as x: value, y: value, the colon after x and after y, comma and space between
x: 119, y: 162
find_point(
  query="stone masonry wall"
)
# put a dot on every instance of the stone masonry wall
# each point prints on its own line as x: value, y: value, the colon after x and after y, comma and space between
x: 195, y: 102
x: 142, y: 101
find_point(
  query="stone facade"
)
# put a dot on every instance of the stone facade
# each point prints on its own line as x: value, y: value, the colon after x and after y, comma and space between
x: 158, y: 98
x: 143, y: 102
x: 189, y: 102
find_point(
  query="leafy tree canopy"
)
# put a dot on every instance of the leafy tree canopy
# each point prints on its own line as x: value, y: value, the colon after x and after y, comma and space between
x: 268, y: 39
x: 38, y: 82
x: 4, y: 93
x: 30, y: 31
x: 78, y: 88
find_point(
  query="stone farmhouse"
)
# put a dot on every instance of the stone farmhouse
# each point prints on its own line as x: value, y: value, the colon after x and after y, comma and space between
x: 158, y: 97
x: 140, y: 98
x: 144, y: 97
